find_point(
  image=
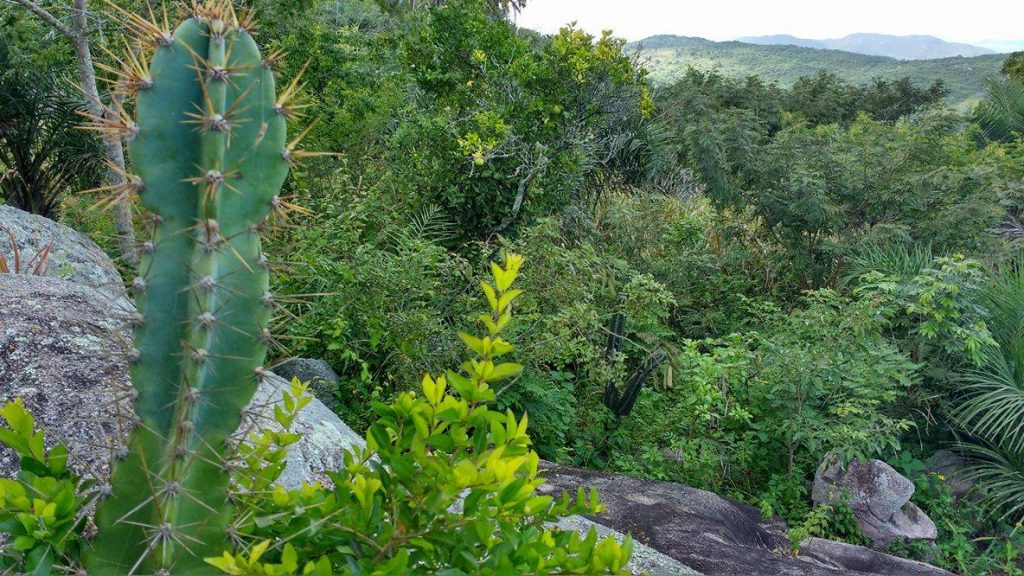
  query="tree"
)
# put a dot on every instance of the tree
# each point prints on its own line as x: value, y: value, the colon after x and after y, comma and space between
x: 41, y: 144
x: 498, y: 7
x: 824, y: 99
x: 506, y: 129
x: 889, y: 101
x: 1013, y: 66
x: 78, y: 34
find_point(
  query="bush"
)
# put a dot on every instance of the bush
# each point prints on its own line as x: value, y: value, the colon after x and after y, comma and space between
x: 753, y: 415
x: 478, y: 513
x: 43, y: 153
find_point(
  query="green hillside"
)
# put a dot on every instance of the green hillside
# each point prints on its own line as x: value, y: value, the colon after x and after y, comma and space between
x: 668, y: 57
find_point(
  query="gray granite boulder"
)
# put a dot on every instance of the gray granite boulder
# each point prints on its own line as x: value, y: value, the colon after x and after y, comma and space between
x: 306, y: 369
x: 73, y: 256
x: 879, y: 497
x: 323, y: 381
x: 62, y: 349
x: 952, y: 470
x: 645, y: 560
x: 325, y: 438
x: 716, y: 536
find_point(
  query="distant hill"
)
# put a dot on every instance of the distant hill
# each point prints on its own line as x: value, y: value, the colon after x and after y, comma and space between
x: 1004, y: 46
x: 899, y: 47
x: 667, y: 57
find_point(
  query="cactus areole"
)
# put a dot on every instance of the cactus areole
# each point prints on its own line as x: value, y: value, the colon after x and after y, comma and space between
x: 209, y: 152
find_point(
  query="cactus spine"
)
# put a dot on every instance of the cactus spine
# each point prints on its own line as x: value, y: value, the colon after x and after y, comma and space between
x: 209, y: 149
x: 621, y: 402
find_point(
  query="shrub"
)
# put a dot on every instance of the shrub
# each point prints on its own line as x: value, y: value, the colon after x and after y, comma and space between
x: 477, y: 513
x: 990, y: 410
x: 48, y: 156
x: 754, y: 414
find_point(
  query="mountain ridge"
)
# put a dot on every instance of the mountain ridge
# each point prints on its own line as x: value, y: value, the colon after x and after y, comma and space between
x: 667, y: 57
x: 910, y: 47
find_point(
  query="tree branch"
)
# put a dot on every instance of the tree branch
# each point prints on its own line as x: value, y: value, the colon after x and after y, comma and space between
x: 48, y: 18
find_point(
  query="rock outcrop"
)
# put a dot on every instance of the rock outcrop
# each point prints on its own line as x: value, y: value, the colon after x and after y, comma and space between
x: 62, y: 351
x: 716, y: 536
x: 322, y: 379
x: 952, y: 470
x: 325, y: 438
x: 73, y: 256
x: 879, y: 497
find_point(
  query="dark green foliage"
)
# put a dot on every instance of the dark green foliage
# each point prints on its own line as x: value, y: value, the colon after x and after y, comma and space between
x: 498, y: 8
x: 824, y: 99
x: 1001, y: 114
x: 753, y: 415
x: 891, y: 100
x: 973, y: 538
x: 43, y: 153
x: 1013, y: 66
x: 508, y: 131
x: 820, y: 192
x: 621, y: 402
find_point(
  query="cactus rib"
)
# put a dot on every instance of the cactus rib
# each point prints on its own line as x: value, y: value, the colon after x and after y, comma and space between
x: 209, y: 151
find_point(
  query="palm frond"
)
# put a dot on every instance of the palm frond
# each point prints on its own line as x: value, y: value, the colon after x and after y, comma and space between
x: 43, y: 152
x: 1001, y: 114
x: 431, y: 224
x: 993, y: 406
x: 897, y: 260
x: 1000, y: 473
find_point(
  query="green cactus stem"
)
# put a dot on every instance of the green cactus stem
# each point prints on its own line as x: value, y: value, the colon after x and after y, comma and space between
x: 209, y: 150
x: 621, y: 402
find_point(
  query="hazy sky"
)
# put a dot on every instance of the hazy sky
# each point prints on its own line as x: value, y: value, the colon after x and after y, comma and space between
x: 728, y: 19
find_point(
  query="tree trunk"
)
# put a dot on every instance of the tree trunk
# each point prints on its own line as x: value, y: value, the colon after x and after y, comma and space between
x: 114, y: 149
x: 78, y: 35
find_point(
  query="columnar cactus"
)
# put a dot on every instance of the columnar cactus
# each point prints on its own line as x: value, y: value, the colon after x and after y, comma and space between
x: 209, y: 151
x: 621, y: 402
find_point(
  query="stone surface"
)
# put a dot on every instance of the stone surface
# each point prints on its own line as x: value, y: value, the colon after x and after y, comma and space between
x: 73, y: 257
x: 323, y: 381
x: 850, y: 559
x: 716, y: 536
x: 306, y: 369
x: 879, y: 497
x: 951, y: 468
x: 645, y: 560
x: 62, y: 351
x: 325, y: 437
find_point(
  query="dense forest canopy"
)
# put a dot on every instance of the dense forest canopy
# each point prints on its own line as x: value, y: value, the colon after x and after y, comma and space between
x: 739, y: 260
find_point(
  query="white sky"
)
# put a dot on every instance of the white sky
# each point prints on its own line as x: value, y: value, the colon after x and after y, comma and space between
x: 954, y: 20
